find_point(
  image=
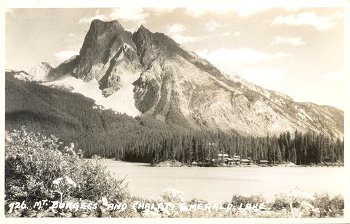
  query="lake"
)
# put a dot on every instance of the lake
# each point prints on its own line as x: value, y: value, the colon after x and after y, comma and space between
x: 218, y: 184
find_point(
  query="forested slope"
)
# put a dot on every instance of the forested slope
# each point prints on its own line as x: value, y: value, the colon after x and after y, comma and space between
x: 72, y: 118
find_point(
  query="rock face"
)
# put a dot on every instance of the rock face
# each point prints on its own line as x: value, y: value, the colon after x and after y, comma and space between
x: 109, y: 56
x: 180, y: 88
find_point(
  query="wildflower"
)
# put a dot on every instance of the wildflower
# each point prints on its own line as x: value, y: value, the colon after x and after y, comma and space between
x: 173, y: 195
x: 64, y: 180
x: 299, y: 197
x: 104, y: 201
x: 8, y: 138
x: 150, y: 214
x: 63, y: 184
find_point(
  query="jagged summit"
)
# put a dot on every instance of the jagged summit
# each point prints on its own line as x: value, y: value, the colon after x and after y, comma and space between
x: 149, y: 73
x: 142, y: 28
x: 102, y: 42
x: 99, y: 24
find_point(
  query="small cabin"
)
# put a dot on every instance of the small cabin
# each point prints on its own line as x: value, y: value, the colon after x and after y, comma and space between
x: 236, y: 159
x: 264, y: 162
x: 220, y: 155
x: 245, y: 161
x: 229, y: 161
x: 222, y: 158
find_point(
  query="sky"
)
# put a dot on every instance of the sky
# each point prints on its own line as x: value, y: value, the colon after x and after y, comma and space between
x: 293, y: 49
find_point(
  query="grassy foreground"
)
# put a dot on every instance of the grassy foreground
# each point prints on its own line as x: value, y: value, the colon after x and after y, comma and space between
x: 43, y: 178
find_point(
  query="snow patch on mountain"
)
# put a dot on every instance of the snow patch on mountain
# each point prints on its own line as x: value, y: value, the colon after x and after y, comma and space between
x: 23, y: 76
x: 121, y: 101
x: 150, y: 73
x: 40, y: 72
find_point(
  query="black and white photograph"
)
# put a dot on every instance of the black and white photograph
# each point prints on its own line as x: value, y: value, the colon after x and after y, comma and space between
x: 175, y: 110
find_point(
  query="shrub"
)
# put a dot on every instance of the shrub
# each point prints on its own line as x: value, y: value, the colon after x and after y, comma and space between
x: 168, y: 163
x: 329, y: 207
x: 237, y: 200
x: 95, y: 182
x: 172, y: 195
x: 286, y: 199
x: 32, y: 162
x: 39, y: 167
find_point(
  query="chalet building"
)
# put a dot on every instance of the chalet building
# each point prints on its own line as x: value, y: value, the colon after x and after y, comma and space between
x: 236, y: 159
x: 194, y: 163
x: 229, y: 161
x: 264, y: 162
x: 222, y: 157
x: 246, y: 161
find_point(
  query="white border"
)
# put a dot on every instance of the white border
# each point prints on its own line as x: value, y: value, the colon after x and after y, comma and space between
x: 213, y: 4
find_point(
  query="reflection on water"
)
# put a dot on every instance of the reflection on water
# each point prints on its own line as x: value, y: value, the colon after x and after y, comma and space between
x: 218, y: 184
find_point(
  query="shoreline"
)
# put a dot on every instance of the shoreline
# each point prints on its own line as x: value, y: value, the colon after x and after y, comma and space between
x: 231, y: 166
x: 170, y: 163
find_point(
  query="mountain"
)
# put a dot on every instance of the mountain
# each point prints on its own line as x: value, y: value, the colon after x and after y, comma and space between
x: 149, y: 74
x: 40, y: 72
x: 75, y: 118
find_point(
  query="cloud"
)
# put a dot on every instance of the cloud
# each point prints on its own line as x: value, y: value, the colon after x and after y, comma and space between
x: 267, y: 77
x: 308, y: 19
x: 90, y: 19
x: 212, y: 25
x: 137, y: 16
x: 175, y: 28
x: 246, y: 10
x: 263, y: 74
x: 199, y: 12
x: 72, y: 38
x: 176, y: 31
x: 229, y: 59
x: 179, y: 38
x: 241, y: 11
x: 333, y: 76
x: 294, y: 41
x: 250, y: 8
x: 237, y: 34
x: 226, y: 34
x: 241, y: 8
x: 65, y: 55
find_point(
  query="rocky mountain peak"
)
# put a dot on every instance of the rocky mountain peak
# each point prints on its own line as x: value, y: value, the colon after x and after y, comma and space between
x: 101, y: 32
x: 98, y: 26
x: 46, y: 65
x: 142, y: 28
x: 98, y: 22
x: 149, y: 73
x: 102, y: 42
x: 150, y: 45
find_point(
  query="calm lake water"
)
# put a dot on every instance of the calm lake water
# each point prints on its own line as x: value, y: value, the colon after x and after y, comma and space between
x: 218, y: 184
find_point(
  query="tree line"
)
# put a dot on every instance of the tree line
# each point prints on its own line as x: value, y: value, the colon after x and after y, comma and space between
x: 71, y: 117
x: 301, y: 149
